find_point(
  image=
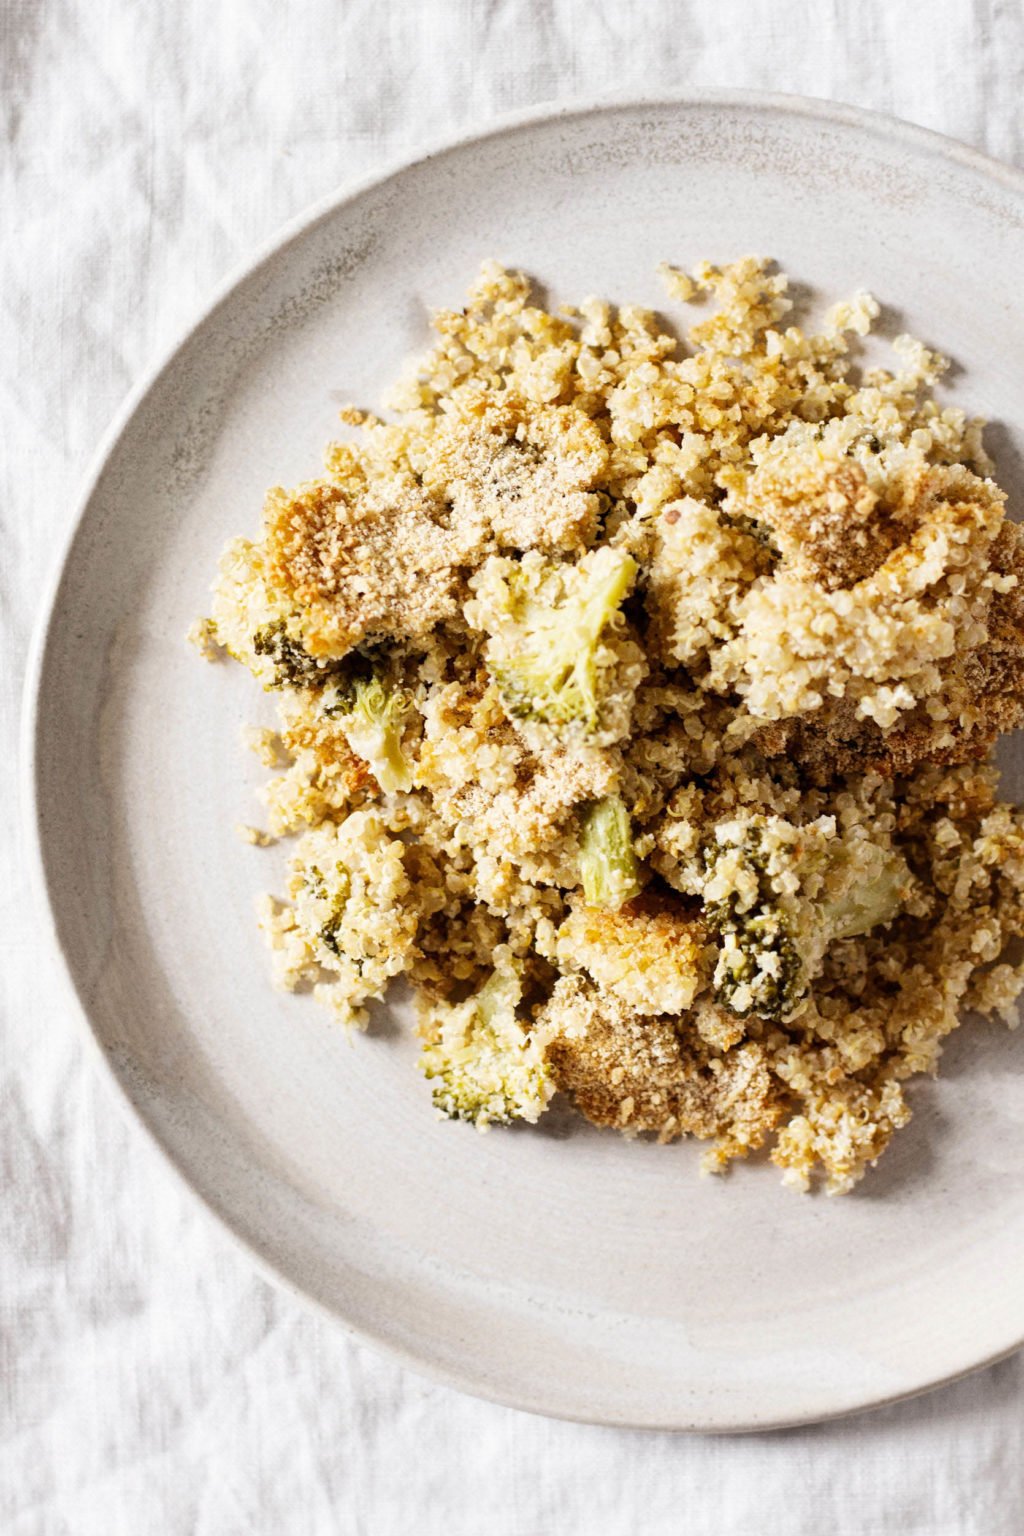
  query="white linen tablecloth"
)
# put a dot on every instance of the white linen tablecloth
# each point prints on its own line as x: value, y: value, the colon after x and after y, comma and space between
x: 149, y: 1383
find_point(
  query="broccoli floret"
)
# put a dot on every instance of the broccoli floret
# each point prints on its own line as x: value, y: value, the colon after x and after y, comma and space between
x: 547, y: 620
x: 773, y: 934
x: 608, y: 865
x: 372, y: 715
x: 341, y: 886
x: 483, y: 1065
x: 293, y: 666
x: 759, y: 967
x: 351, y: 923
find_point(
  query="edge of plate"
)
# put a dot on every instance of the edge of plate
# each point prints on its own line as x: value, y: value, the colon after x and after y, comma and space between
x: 879, y: 124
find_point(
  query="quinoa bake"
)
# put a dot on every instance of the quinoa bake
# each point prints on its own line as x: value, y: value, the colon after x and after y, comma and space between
x: 636, y: 705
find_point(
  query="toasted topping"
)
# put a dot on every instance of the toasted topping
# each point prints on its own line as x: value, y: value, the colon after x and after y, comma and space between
x: 649, y: 1074
x: 379, y: 563
x: 527, y: 473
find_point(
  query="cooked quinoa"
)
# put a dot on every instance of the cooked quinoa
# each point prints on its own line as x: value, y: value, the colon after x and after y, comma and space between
x: 636, y: 705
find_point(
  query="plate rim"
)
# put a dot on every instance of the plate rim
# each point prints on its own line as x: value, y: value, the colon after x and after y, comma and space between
x: 45, y: 898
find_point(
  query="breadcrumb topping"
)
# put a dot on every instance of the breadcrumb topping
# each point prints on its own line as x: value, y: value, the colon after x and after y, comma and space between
x: 528, y: 472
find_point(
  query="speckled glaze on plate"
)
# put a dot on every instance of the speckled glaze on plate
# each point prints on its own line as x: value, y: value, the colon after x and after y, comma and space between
x: 557, y: 1269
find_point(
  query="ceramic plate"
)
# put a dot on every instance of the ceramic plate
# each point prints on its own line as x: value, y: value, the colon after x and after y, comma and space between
x: 558, y: 1269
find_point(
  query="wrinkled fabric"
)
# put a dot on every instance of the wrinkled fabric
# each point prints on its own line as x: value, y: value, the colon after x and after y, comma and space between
x: 149, y: 1382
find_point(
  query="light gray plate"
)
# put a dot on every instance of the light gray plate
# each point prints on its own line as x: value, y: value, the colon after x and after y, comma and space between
x: 557, y: 1269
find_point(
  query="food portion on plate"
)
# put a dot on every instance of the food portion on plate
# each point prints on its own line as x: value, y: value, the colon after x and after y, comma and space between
x: 636, y: 705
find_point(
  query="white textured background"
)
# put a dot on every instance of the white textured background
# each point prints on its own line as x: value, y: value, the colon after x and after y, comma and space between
x: 148, y: 1383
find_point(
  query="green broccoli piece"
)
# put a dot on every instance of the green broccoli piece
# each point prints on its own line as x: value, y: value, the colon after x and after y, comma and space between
x: 608, y: 865
x: 483, y: 1065
x: 772, y: 936
x: 759, y: 967
x: 545, y: 663
x: 316, y: 885
x: 293, y: 666
x: 372, y: 715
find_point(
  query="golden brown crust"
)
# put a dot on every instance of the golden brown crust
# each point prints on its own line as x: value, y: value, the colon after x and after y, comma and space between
x: 362, y: 565
x: 983, y: 697
x: 334, y: 758
x: 643, y: 1074
x: 652, y: 953
x: 822, y: 513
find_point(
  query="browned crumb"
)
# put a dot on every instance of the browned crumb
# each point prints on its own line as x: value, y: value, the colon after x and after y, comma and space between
x: 823, y: 515
x: 652, y: 954
x: 376, y: 563
x: 335, y: 761
x: 323, y: 779
x: 982, y: 698
x: 527, y: 472
x: 653, y: 1074
x: 994, y: 675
